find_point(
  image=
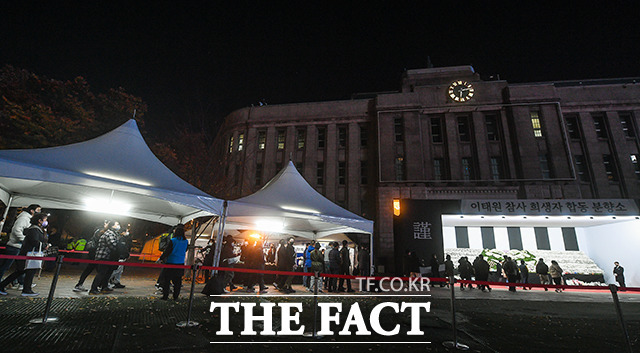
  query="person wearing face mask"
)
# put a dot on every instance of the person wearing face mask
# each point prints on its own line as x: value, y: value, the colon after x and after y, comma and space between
x: 106, y: 246
x: 16, y: 238
x: 34, y: 240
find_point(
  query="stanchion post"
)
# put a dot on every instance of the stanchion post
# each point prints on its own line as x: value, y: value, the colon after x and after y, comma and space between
x: 454, y: 344
x: 52, y: 289
x: 190, y: 323
x: 614, y: 293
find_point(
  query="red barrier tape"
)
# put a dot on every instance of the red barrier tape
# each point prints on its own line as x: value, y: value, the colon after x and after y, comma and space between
x: 291, y: 273
x: 86, y: 252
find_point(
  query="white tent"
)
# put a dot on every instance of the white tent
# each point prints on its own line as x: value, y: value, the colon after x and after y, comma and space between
x: 113, y: 173
x: 288, y: 204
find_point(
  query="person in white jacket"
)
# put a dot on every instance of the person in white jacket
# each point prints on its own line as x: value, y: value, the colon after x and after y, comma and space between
x: 16, y: 237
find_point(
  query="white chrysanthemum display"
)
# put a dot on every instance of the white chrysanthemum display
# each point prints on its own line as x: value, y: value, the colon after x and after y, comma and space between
x: 572, y: 262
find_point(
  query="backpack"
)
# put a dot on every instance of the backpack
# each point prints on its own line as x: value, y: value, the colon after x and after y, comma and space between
x: 165, y: 239
x: 122, y: 248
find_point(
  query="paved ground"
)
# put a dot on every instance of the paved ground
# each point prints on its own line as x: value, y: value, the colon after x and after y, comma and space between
x: 134, y: 320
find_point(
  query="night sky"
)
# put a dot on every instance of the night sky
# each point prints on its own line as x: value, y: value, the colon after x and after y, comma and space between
x: 190, y: 59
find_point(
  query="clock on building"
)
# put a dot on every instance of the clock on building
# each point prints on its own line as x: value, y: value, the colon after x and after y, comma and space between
x: 461, y: 91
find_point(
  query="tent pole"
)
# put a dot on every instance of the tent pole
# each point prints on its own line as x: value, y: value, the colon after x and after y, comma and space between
x: 218, y: 248
x: 371, y: 270
x: 6, y: 212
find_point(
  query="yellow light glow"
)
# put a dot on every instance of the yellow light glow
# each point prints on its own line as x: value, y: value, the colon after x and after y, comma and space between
x: 255, y: 235
x: 396, y: 207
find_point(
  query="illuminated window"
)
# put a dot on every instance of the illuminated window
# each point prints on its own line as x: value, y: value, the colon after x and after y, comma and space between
x: 262, y: 139
x: 537, y: 126
x: 240, y: 142
x: 301, y: 138
x: 231, y: 144
x: 396, y: 207
x: 281, y: 139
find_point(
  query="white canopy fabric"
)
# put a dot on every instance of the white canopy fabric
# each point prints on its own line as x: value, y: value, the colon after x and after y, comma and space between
x: 288, y: 204
x: 113, y: 173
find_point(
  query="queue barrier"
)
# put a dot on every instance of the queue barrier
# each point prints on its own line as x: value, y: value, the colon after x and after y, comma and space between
x: 451, y: 281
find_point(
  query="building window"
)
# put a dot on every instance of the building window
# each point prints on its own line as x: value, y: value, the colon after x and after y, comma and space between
x: 581, y: 168
x: 493, y: 133
x: 609, y: 167
x: 636, y: 166
x: 515, y: 238
x: 488, y: 237
x: 601, y: 129
x: 496, y: 168
x: 398, y: 129
x: 301, y: 137
x: 231, y: 144
x: 363, y: 136
x: 542, y: 238
x: 342, y: 136
x: 438, y: 167
x: 262, y: 139
x: 240, y: 142
x: 320, y: 173
x: 544, y: 166
x: 322, y: 137
x: 237, y: 175
x: 462, y: 237
x: 258, y: 178
x: 436, y: 130
x: 399, y: 168
x: 535, y: 122
x: 281, y: 138
x: 627, y: 124
x: 572, y: 127
x: 364, y: 173
x: 342, y: 173
x: 463, y: 129
x: 467, y: 169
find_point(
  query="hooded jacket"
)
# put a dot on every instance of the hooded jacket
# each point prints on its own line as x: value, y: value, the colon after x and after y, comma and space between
x: 17, y: 232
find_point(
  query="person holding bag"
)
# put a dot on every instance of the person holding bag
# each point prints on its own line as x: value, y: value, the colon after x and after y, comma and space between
x: 34, y: 241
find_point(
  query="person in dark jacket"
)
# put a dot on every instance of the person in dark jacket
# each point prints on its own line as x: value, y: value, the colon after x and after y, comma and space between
x: 482, y: 267
x: 306, y: 280
x: 364, y: 265
x: 345, y: 264
x: 435, y: 268
x: 448, y: 266
x: 92, y: 244
x: 281, y: 264
x: 465, y: 269
x: 105, y: 251
x: 511, y: 271
x: 524, y: 274
x: 255, y: 260
x: 317, y: 265
x: 542, y: 270
x: 34, y: 240
x: 334, y: 266
x: 618, y: 273
x: 290, y: 264
x: 174, y: 254
x: 414, y: 264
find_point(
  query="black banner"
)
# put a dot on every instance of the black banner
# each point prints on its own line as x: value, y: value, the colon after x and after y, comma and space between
x: 419, y: 228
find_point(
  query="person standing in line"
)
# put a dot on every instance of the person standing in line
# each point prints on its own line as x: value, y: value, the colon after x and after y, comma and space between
x: 317, y: 265
x: 465, y: 269
x: 524, y: 274
x: 105, y: 251
x: 280, y: 264
x: 435, y: 268
x: 226, y: 257
x: 16, y: 237
x: 618, y: 273
x: 123, y: 250
x: 482, y: 267
x: 448, y: 267
x: 556, y: 274
x: 290, y: 263
x: 255, y: 260
x: 542, y: 270
x: 511, y: 271
x: 345, y: 264
x: 307, y: 263
x: 334, y: 266
x: 363, y: 261
x: 327, y: 269
x: 91, y: 246
x: 33, y: 241
x: 174, y: 254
